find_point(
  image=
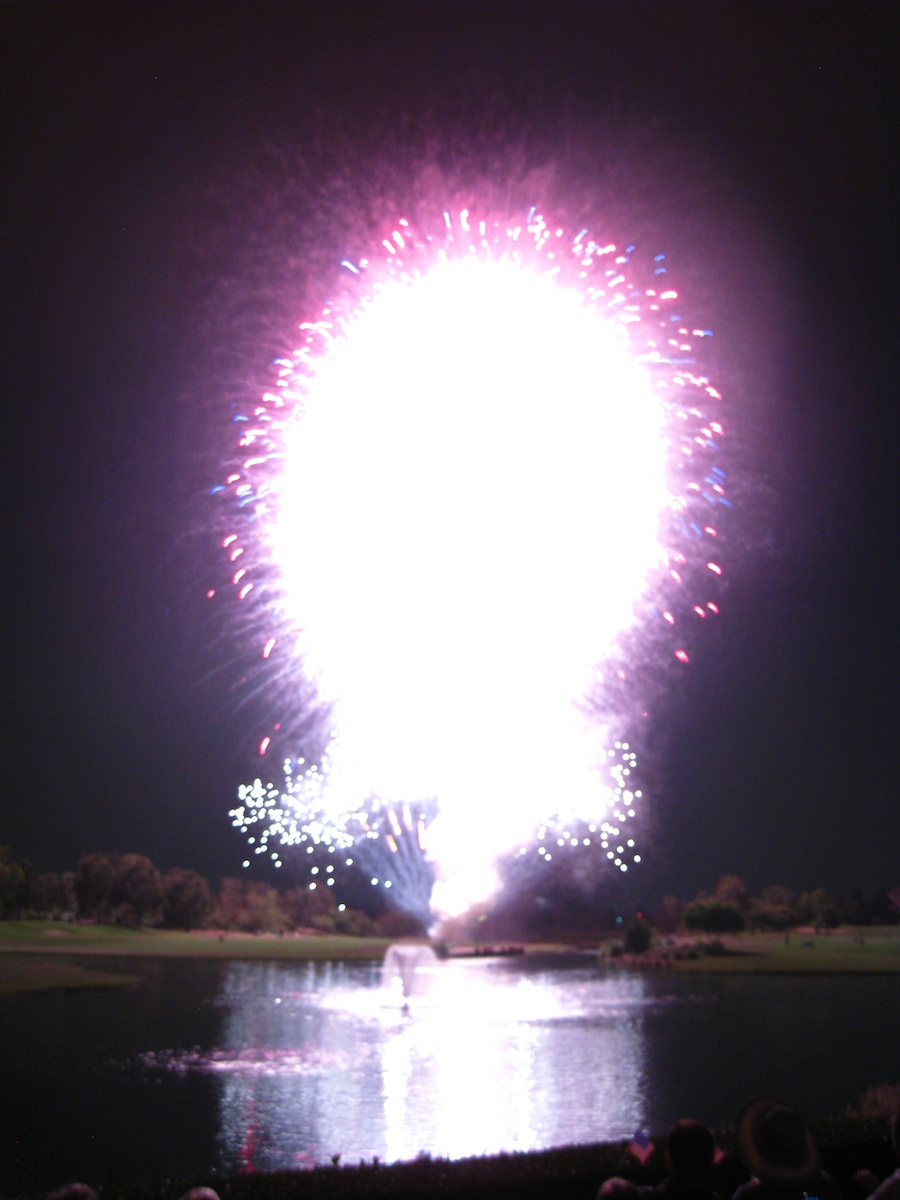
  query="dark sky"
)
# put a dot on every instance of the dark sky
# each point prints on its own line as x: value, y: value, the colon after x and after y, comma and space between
x: 147, y: 162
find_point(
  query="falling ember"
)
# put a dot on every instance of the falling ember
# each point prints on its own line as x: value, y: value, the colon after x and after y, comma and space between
x: 484, y: 463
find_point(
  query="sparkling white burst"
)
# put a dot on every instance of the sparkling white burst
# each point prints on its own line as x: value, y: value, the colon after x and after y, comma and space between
x: 474, y: 473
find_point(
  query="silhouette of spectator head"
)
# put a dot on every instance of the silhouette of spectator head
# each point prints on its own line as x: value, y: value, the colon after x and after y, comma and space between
x: 201, y: 1193
x: 690, y: 1149
x: 775, y: 1143
x: 73, y: 1191
x: 617, y: 1188
x: 869, y: 1183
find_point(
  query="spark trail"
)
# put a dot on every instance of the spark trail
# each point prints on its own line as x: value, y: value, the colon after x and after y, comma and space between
x: 488, y: 466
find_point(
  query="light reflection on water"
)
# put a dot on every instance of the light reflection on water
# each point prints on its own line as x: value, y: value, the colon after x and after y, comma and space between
x: 215, y: 1066
x: 323, y: 1060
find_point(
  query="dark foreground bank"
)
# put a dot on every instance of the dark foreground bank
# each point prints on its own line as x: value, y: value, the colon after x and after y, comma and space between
x: 570, y: 1173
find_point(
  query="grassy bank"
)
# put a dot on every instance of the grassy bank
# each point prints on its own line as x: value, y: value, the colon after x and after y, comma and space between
x: 567, y: 1173
x: 61, y: 937
x: 32, y: 974
x: 30, y: 951
x: 874, y: 949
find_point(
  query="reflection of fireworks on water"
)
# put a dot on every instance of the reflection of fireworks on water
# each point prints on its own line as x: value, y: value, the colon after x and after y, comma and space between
x: 488, y: 468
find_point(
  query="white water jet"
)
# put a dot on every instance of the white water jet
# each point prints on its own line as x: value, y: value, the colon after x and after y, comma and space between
x: 403, y: 967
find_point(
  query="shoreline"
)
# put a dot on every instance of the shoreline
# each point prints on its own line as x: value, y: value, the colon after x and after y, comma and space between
x: 572, y: 1172
x: 30, y: 950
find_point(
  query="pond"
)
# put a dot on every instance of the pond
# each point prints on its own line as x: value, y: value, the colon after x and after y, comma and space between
x: 218, y: 1067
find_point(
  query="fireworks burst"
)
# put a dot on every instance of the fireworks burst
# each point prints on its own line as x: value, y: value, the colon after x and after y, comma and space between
x: 306, y: 811
x: 484, y: 483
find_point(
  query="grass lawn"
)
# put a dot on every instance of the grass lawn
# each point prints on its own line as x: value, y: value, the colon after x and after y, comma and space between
x: 851, y: 950
x: 60, y: 937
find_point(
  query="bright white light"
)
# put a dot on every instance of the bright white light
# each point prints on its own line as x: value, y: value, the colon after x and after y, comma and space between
x: 470, y: 508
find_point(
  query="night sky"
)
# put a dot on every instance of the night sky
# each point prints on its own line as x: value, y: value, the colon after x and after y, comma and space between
x: 168, y: 205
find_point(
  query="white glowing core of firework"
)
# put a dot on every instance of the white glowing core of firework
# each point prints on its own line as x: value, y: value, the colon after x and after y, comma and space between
x: 469, y: 511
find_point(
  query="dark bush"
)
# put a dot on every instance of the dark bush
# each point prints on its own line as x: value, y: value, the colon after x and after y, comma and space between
x: 714, y: 949
x: 714, y: 916
x: 637, y: 935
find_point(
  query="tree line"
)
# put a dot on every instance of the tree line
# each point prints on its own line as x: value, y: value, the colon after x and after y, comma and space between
x: 730, y: 908
x: 567, y: 902
x: 129, y: 890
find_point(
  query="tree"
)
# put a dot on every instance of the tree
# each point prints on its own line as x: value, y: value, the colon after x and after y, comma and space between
x: 779, y: 895
x: 261, y: 912
x: 305, y: 907
x: 30, y: 891
x: 886, y: 907
x: 772, y: 916
x: 355, y: 923
x: 637, y: 934
x: 57, y: 893
x: 230, y: 904
x: 667, y: 917
x: 186, y: 899
x: 251, y: 907
x: 395, y: 923
x: 714, y: 916
x: 855, y: 911
x: 12, y: 884
x: 93, y: 883
x: 817, y: 908
x: 731, y: 889
x: 776, y: 910
x: 135, y: 895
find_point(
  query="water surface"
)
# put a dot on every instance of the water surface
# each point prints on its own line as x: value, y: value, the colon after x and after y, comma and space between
x: 225, y: 1066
